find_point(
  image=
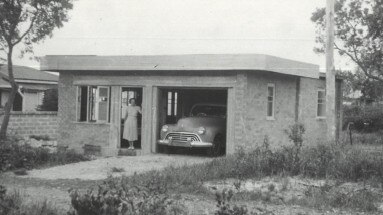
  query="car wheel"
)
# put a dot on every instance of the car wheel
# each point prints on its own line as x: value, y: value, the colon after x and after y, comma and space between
x: 218, y: 147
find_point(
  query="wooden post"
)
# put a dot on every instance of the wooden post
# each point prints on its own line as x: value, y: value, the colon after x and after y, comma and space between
x: 330, y: 72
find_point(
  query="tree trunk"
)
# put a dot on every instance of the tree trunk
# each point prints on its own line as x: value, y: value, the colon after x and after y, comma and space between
x: 11, y: 98
x: 330, y: 73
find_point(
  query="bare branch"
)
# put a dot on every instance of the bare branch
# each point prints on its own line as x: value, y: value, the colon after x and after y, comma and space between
x: 358, y: 62
x: 27, y: 31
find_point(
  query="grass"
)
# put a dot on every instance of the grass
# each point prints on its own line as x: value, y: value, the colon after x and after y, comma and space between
x: 324, y: 161
x: 363, y: 138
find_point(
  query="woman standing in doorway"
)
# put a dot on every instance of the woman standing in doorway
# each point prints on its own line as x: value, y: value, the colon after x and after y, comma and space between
x: 130, y: 122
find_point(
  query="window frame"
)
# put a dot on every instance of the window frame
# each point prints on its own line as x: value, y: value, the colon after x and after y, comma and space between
x: 323, y: 103
x: 96, y: 108
x: 272, y: 117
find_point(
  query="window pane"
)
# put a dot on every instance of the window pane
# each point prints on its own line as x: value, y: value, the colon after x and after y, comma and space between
x: 175, y: 103
x: 92, y: 103
x: 321, y: 94
x: 103, y: 103
x: 269, y: 108
x: 321, y: 110
x: 270, y: 101
x: 169, y: 103
x: 82, y: 103
x: 270, y: 91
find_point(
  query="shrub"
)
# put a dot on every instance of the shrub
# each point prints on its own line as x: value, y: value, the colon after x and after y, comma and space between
x: 16, y: 156
x: 40, y: 137
x: 115, y: 196
x: 50, y: 100
x: 364, y: 118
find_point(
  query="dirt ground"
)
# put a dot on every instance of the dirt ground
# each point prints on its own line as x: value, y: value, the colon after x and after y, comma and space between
x: 101, y: 168
x: 52, y: 184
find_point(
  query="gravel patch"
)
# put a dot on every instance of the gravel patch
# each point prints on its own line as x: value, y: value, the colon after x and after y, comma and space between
x: 102, y: 168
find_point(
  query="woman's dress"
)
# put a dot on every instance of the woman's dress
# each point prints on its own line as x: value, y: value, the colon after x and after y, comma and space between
x: 130, y: 124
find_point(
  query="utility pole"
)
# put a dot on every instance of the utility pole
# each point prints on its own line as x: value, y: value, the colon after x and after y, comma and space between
x: 330, y: 72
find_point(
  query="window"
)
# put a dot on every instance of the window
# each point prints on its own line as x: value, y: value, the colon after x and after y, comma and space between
x: 93, y: 104
x: 270, y: 100
x: 321, y: 108
x: 172, y: 103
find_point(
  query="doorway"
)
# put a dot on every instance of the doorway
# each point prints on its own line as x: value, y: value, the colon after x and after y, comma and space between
x: 128, y: 93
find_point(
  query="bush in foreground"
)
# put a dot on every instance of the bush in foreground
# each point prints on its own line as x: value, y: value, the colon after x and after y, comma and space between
x: 15, y: 156
x: 114, y: 197
x: 13, y: 204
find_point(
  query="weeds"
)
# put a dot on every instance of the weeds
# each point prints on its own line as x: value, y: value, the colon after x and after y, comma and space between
x: 116, y: 169
x: 327, y: 197
x: 115, y: 196
x: 13, y: 204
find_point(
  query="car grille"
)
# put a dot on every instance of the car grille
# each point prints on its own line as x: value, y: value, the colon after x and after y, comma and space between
x: 182, y: 137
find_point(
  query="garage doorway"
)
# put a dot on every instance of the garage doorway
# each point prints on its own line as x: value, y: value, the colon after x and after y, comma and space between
x: 126, y: 94
x: 177, y: 103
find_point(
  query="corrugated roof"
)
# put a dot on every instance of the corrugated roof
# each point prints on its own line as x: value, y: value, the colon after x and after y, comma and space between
x: 198, y: 62
x: 28, y: 73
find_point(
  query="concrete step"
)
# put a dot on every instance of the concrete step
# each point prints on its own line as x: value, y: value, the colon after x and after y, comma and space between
x: 129, y: 152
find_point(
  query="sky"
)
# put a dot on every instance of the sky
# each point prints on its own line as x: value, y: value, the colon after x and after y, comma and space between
x: 149, y: 27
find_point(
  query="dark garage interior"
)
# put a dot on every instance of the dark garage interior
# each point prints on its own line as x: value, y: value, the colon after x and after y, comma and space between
x: 176, y: 103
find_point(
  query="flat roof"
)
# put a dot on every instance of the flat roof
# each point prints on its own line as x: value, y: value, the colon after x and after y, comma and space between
x: 181, y: 63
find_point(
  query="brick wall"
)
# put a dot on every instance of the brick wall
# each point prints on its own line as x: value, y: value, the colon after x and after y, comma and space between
x: 258, y: 127
x: 24, y: 124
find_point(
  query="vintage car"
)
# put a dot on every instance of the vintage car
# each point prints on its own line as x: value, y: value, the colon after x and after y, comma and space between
x: 205, y: 127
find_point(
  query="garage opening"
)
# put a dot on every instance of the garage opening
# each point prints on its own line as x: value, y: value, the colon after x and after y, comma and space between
x: 192, y: 119
x: 128, y: 93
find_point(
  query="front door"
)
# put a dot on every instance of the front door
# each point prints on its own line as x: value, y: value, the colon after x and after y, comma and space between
x: 128, y: 93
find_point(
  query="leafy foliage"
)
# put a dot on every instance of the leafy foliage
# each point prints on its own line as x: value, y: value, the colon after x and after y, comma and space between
x: 50, y: 100
x: 15, y: 156
x: 364, y: 119
x: 358, y: 33
x: 30, y: 21
x: 371, y: 90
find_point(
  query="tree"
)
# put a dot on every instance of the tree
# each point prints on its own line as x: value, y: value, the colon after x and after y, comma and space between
x: 371, y: 90
x: 26, y: 22
x: 358, y: 33
x: 50, y: 100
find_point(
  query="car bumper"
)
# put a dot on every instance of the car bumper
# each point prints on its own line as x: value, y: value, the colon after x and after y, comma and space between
x: 189, y: 144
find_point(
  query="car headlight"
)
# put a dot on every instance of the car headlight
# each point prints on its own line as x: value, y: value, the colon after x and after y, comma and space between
x: 201, y: 130
x: 165, y: 128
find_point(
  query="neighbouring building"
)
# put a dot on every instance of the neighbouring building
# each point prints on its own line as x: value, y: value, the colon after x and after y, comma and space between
x: 264, y: 95
x: 32, y: 84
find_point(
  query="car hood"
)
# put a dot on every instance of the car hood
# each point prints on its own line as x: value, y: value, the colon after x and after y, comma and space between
x: 196, y: 122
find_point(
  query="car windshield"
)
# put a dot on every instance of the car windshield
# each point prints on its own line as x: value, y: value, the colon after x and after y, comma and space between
x: 205, y: 110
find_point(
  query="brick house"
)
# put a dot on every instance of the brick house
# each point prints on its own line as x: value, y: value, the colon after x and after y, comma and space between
x: 32, y: 84
x: 264, y: 96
